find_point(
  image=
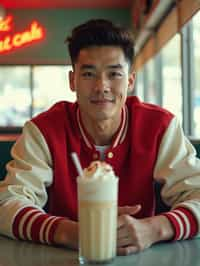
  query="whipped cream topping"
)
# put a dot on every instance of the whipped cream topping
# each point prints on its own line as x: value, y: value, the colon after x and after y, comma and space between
x: 99, y: 170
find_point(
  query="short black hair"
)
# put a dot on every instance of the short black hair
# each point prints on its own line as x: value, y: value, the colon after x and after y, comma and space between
x: 100, y: 32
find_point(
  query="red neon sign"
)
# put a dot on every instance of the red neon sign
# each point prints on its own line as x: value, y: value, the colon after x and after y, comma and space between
x: 10, y: 42
x: 5, y: 24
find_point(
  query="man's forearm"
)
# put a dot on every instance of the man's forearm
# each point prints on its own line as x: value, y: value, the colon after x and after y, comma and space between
x: 162, y: 229
x: 66, y: 234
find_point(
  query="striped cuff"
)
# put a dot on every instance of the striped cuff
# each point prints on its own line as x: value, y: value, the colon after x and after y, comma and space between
x: 184, y: 223
x: 32, y: 224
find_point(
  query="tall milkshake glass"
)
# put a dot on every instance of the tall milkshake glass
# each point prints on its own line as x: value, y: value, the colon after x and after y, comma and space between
x: 97, y: 208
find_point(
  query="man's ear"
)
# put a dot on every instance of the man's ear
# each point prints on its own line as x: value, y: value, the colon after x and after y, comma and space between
x: 71, y: 80
x: 131, y: 81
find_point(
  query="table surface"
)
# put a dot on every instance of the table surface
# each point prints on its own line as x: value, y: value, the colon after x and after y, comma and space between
x: 15, y: 253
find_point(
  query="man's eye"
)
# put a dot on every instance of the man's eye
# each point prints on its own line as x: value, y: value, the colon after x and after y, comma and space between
x: 88, y: 74
x: 115, y: 74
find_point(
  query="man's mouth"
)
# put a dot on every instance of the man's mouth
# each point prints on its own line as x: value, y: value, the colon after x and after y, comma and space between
x: 102, y: 99
x: 101, y: 102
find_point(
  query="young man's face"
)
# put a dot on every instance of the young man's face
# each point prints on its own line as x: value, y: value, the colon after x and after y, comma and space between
x: 101, y: 79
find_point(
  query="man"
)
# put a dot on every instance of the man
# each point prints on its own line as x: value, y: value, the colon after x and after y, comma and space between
x: 144, y: 143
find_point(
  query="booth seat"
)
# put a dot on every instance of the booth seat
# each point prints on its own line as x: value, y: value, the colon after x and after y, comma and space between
x: 196, y: 144
x: 5, y: 147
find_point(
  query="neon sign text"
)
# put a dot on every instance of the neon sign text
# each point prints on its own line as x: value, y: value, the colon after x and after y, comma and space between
x: 9, y: 42
x: 5, y: 24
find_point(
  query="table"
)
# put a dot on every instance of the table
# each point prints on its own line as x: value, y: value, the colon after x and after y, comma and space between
x: 21, y: 253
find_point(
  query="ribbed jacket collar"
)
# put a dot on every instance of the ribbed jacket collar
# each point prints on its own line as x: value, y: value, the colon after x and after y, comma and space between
x: 121, y: 133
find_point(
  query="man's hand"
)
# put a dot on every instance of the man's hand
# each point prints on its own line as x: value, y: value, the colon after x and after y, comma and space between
x: 129, y: 210
x: 135, y: 235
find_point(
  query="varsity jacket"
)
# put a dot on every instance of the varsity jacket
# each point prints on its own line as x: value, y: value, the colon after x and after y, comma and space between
x: 149, y: 147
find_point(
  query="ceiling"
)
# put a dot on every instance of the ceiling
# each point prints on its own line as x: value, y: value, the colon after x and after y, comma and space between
x: 39, y: 4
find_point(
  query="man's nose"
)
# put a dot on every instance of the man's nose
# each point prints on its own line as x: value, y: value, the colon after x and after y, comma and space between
x: 102, y: 83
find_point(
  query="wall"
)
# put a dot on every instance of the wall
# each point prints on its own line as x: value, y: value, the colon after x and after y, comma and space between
x: 58, y: 24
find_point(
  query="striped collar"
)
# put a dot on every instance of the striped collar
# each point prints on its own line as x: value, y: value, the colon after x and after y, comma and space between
x: 120, y: 136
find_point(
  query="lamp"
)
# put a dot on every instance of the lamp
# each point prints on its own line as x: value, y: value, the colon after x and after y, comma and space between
x: 2, y: 12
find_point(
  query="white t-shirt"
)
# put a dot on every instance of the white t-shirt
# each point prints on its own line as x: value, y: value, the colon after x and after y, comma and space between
x: 102, y: 150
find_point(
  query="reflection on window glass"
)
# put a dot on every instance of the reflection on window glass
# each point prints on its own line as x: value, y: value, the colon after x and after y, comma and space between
x: 196, y: 31
x: 50, y: 85
x: 15, y: 97
x: 151, y: 85
x: 171, y: 74
x: 140, y: 85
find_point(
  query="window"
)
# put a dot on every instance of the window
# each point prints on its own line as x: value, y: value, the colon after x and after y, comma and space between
x: 140, y: 85
x: 150, y: 90
x: 171, y: 76
x: 50, y: 85
x: 196, y: 94
x: 28, y: 90
x: 15, y: 100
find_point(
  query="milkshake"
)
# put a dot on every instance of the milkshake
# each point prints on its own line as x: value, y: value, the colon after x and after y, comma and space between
x: 97, y: 197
